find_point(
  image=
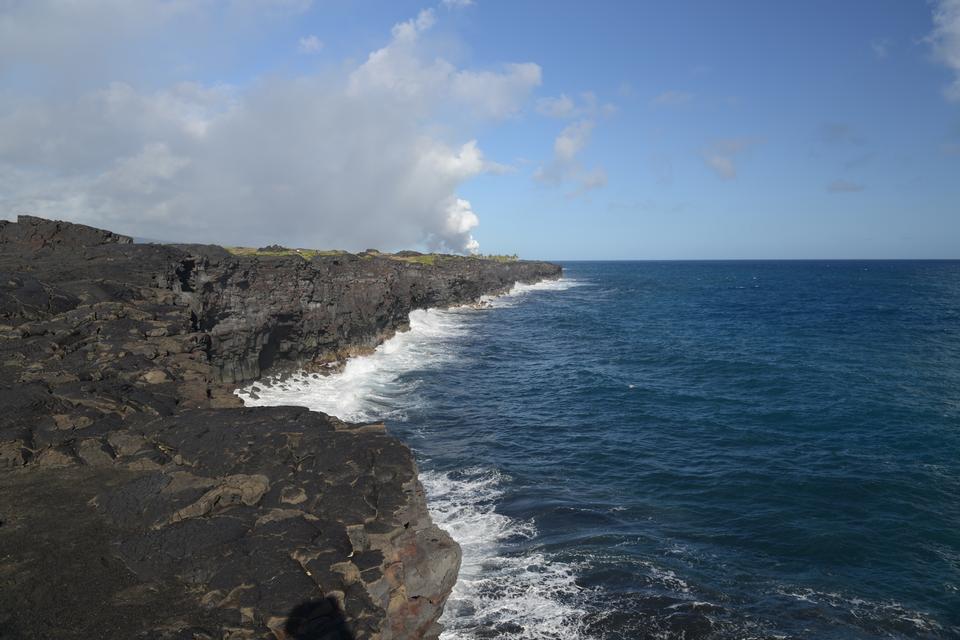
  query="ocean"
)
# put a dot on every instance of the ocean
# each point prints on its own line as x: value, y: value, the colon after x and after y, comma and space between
x: 686, y: 449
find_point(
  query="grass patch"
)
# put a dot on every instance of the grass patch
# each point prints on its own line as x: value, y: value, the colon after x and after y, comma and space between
x: 427, y: 258
x: 306, y: 254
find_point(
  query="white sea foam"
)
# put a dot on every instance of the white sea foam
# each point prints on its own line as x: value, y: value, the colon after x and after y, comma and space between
x: 667, y: 578
x: 369, y: 387
x: 520, y: 289
x: 518, y: 594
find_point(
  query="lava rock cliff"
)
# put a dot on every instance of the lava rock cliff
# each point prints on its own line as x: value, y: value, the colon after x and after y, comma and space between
x: 140, y: 499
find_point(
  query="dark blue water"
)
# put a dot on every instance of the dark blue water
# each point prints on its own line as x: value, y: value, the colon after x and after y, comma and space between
x: 698, y: 450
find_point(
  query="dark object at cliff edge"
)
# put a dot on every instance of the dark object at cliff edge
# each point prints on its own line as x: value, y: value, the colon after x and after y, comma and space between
x: 139, y: 499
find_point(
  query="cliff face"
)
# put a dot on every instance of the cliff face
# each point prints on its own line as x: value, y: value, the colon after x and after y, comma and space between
x: 285, y: 311
x: 139, y: 499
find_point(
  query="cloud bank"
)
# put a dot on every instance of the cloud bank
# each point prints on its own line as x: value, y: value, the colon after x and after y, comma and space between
x: 356, y: 157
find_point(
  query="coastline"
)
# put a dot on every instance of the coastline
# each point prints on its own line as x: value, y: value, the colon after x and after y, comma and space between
x: 332, y: 364
x: 384, y: 387
x: 199, y: 514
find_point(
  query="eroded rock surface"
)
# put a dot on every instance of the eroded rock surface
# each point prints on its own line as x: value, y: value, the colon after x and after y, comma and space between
x: 138, y: 499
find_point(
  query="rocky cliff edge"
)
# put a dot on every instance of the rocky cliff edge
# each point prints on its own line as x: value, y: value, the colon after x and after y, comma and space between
x: 139, y: 499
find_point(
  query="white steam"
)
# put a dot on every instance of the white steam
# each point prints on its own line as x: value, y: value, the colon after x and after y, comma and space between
x: 363, y: 155
x: 460, y: 220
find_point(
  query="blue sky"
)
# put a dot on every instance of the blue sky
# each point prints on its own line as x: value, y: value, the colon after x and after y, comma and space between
x: 566, y: 130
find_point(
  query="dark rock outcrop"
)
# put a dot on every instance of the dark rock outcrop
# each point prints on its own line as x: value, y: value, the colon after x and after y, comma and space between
x: 36, y: 233
x: 285, y: 311
x: 139, y: 499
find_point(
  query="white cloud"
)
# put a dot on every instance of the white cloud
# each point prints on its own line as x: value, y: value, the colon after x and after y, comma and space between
x: 593, y: 179
x: 722, y: 165
x: 51, y: 33
x: 559, y: 107
x: 352, y: 159
x: 565, y: 167
x: 721, y: 155
x: 409, y: 30
x: 945, y: 40
x: 93, y: 40
x: 572, y: 140
x: 400, y: 71
x: 144, y: 172
x: 586, y: 105
x: 672, y: 99
x: 309, y: 44
x: 494, y: 94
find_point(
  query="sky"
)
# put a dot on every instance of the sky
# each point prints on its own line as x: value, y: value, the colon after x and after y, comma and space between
x: 561, y: 130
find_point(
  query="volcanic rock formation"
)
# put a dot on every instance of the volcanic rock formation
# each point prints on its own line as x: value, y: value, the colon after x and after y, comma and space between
x: 139, y: 499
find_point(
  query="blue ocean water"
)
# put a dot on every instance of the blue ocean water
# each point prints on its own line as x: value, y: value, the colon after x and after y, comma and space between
x: 687, y: 449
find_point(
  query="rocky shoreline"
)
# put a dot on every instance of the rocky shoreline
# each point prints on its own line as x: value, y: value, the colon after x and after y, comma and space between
x: 140, y: 499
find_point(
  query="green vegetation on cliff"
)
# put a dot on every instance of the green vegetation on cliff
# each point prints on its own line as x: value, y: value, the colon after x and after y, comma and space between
x: 275, y: 250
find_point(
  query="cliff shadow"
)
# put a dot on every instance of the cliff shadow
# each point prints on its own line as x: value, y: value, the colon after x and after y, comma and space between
x: 277, y: 335
x: 321, y: 619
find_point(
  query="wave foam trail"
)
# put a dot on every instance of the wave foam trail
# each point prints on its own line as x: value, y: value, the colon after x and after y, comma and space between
x: 516, y: 595
x: 501, y: 588
x: 520, y: 289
